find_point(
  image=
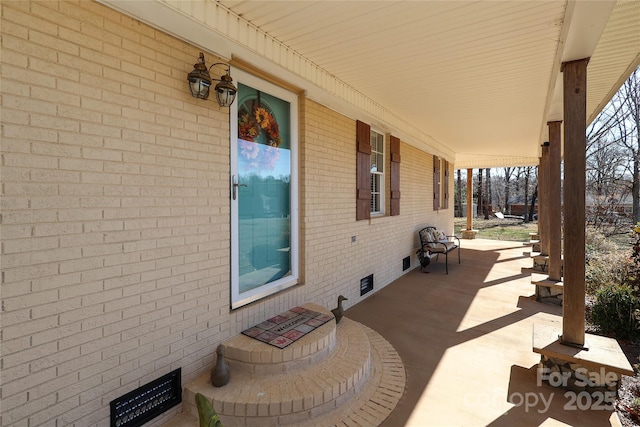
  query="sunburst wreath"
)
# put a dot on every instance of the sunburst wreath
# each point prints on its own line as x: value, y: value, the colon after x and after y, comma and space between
x: 259, y: 136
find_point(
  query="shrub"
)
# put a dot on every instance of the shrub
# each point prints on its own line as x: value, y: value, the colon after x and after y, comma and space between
x: 617, y: 311
x: 597, y: 243
x: 615, y: 268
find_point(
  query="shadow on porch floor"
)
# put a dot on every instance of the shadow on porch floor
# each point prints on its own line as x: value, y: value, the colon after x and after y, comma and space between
x: 466, y: 341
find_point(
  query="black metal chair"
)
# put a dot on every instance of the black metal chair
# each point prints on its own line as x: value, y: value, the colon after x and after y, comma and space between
x: 432, y: 243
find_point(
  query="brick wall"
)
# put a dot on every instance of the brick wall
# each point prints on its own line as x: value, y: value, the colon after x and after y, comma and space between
x: 334, y: 264
x: 115, y: 213
x: 115, y: 234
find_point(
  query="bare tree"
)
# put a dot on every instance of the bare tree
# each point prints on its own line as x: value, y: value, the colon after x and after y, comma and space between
x: 508, y: 173
x: 532, y: 206
x: 613, y: 155
x: 629, y: 131
x: 607, y: 188
x: 489, y: 193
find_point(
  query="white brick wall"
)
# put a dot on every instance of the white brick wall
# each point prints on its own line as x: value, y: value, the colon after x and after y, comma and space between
x: 112, y: 253
x: 335, y: 265
x: 115, y: 214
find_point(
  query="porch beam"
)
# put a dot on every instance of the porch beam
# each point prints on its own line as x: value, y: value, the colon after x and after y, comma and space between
x: 554, y: 201
x: 575, y: 124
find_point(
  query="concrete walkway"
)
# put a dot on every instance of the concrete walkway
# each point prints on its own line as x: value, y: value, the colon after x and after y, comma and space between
x: 466, y: 341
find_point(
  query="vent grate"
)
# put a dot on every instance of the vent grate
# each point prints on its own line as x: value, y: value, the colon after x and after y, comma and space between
x: 148, y: 401
x: 366, y: 284
x: 406, y: 263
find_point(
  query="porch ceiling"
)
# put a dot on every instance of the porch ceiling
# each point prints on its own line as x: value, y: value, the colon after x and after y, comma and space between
x: 473, y: 81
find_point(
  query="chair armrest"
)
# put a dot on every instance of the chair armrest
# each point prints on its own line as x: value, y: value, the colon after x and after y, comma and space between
x: 455, y: 237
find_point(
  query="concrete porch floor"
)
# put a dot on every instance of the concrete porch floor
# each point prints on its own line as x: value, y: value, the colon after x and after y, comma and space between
x: 466, y: 342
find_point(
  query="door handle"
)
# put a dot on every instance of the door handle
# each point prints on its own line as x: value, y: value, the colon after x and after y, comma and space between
x: 234, y: 186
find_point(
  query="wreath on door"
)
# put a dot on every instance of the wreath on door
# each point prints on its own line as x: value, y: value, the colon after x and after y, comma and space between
x: 258, y: 134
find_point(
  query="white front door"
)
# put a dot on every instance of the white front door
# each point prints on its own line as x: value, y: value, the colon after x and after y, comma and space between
x: 264, y: 203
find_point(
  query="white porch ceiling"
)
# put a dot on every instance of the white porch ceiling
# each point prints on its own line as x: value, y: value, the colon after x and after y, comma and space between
x: 474, y: 81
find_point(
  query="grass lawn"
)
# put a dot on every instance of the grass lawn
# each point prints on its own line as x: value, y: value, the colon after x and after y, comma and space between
x: 498, y: 229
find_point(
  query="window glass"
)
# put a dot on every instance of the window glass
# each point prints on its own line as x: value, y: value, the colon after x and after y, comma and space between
x: 377, y: 172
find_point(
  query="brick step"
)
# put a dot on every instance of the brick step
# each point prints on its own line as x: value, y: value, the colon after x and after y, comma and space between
x: 290, y: 398
x: 245, y: 354
x: 369, y: 405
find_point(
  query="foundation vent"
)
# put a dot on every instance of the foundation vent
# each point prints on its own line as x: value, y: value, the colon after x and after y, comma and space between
x: 147, y: 402
x: 366, y: 284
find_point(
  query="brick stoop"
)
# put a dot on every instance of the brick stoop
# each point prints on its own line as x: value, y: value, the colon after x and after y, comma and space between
x: 334, y: 374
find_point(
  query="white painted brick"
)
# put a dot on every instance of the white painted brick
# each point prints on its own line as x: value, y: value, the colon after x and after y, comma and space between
x: 92, y: 347
x: 57, y: 334
x: 47, y: 416
x: 100, y: 320
x: 86, y: 389
x: 131, y: 176
x: 121, y: 281
x: 30, y: 355
x: 27, y: 76
x: 77, y: 339
x: 15, y: 416
x: 55, y: 255
x: 50, y: 12
x: 57, y: 359
x: 79, y: 214
x: 18, y: 29
x: 29, y: 272
x: 28, y: 382
x: 80, y: 164
x: 54, y: 308
x: 53, y: 202
x: 81, y: 315
x: 73, y: 112
x: 101, y: 273
x: 55, y: 229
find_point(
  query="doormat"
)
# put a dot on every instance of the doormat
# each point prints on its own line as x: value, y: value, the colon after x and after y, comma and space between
x: 288, y: 327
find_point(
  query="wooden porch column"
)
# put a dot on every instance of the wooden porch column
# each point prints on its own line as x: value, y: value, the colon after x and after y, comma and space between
x: 575, y: 125
x: 554, y: 202
x: 469, y: 233
x: 469, y: 199
x: 543, y: 197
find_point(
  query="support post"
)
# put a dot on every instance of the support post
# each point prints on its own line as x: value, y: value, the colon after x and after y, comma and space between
x: 575, y: 124
x: 601, y: 356
x: 554, y: 202
x: 469, y: 199
x: 469, y: 233
x: 543, y: 197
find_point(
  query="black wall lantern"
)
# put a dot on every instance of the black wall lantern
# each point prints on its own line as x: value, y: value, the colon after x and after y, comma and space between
x: 200, y: 83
